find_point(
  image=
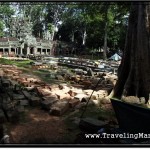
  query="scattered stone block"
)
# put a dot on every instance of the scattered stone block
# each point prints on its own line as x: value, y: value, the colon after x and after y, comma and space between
x: 43, y: 92
x: 34, y: 101
x: 18, y: 96
x: 74, y: 102
x: 80, y: 96
x: 62, y: 95
x: 66, y: 90
x: 89, y: 91
x: 86, y: 83
x: 104, y: 100
x: 46, y: 104
x: 71, y: 93
x: 59, y: 108
x: 49, y: 97
x: 26, y: 94
x: 77, y: 91
x: 102, y: 93
x: 96, y: 102
x: 24, y: 102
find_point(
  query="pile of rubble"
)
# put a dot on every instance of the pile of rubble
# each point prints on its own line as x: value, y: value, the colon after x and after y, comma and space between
x: 19, y: 90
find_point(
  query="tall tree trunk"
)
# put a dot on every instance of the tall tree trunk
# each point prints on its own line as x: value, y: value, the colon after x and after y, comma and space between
x: 72, y: 38
x: 84, y: 37
x: 134, y: 74
x: 105, y: 35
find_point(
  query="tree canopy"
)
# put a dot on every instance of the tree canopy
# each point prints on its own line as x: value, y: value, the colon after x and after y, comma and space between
x: 92, y: 25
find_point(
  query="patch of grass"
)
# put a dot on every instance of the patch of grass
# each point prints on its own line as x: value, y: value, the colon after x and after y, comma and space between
x: 5, y: 61
x: 23, y: 63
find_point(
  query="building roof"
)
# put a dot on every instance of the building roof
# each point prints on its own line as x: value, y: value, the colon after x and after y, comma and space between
x: 13, y: 39
x: 3, y: 39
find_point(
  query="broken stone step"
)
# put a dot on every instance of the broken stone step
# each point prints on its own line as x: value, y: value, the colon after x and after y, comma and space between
x: 46, y: 104
x: 59, y: 108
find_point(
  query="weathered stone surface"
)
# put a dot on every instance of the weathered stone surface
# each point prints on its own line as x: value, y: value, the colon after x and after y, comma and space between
x: 29, y: 88
x: 80, y: 96
x: 86, y: 83
x: 18, y: 96
x: 21, y: 80
x: 102, y: 93
x: 46, y: 104
x: 53, y: 97
x: 104, y: 100
x: 62, y: 95
x: 43, y: 92
x: 34, y: 101
x: 96, y: 102
x: 64, y: 88
x: 88, y: 91
x: 31, y: 79
x: 15, y: 77
x: 74, y: 102
x: 71, y: 93
x: 77, y: 91
x: 59, y: 108
x: 26, y: 94
x: 24, y: 103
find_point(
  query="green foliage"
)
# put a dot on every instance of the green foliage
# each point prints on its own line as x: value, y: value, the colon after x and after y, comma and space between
x: 50, y: 27
x: 79, y: 20
x: 5, y: 14
x: 5, y: 61
x: 1, y: 29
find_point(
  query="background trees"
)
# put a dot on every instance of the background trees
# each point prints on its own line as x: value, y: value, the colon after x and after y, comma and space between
x: 89, y: 25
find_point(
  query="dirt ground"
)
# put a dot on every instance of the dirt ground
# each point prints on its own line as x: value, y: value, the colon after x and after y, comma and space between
x: 38, y: 127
